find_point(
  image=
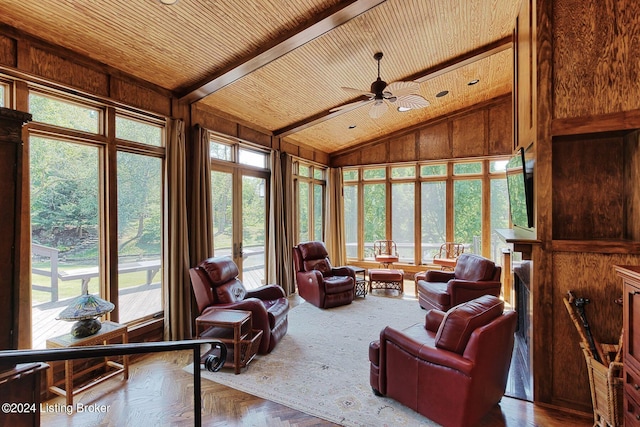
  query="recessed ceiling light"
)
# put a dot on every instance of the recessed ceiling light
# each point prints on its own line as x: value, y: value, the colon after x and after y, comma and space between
x: 403, y: 109
x: 442, y: 93
x: 472, y: 82
x: 352, y: 126
x: 168, y: 2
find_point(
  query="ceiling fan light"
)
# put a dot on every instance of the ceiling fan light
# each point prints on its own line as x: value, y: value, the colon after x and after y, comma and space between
x: 404, y: 109
x: 168, y: 2
x: 473, y: 82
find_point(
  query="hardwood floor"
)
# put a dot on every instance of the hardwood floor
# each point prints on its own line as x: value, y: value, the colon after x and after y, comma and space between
x: 159, y: 393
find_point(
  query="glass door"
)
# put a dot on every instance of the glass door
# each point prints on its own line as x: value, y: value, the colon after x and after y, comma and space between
x: 253, y: 237
x: 239, y: 203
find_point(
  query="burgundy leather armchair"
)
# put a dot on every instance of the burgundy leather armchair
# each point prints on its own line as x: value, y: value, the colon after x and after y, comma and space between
x: 472, y: 277
x: 454, y: 368
x: 215, y: 285
x: 318, y: 282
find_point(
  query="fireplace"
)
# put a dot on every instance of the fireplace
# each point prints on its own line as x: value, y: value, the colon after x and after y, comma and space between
x: 522, y: 300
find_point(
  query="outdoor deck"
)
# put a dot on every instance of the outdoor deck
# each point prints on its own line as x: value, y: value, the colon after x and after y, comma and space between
x: 45, y: 325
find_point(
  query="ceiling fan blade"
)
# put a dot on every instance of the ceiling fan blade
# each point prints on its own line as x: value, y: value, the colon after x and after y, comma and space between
x: 403, y: 88
x: 358, y: 91
x: 355, y: 104
x: 412, y: 101
x: 378, y: 109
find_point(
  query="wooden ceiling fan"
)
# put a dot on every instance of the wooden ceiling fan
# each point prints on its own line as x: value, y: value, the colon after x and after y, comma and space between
x: 401, y: 94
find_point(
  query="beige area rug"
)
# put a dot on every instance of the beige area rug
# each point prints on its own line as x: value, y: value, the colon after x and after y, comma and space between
x: 321, y: 367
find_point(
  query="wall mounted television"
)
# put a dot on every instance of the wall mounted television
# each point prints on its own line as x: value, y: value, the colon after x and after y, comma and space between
x: 520, y: 188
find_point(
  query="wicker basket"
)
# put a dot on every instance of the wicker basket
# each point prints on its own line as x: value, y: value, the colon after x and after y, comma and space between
x: 606, y: 388
x: 605, y: 380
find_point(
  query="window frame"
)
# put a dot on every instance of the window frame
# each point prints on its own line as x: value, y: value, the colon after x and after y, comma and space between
x: 449, y: 178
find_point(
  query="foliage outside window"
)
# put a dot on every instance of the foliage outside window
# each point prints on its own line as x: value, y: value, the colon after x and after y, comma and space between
x: 63, y: 113
x: 466, y: 223
x: 69, y: 214
x: 139, y: 235
x: 239, y: 202
x: 403, y: 220
x: 351, y: 219
x: 377, y: 173
x: 309, y: 204
x: 220, y: 151
x: 138, y: 131
x: 374, y: 216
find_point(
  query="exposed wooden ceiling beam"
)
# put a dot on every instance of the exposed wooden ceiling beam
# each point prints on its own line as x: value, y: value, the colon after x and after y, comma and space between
x: 422, y: 76
x: 325, y: 22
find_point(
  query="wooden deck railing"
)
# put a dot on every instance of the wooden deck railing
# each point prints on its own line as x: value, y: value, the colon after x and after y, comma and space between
x: 84, y: 274
x: 9, y: 358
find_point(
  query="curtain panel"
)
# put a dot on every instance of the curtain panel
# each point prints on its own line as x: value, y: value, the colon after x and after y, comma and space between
x: 280, y: 246
x: 177, y: 289
x: 201, y: 221
x: 334, y: 225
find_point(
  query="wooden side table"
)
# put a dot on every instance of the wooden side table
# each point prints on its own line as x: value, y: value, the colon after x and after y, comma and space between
x: 360, y: 289
x: 233, y: 328
x: 110, y: 331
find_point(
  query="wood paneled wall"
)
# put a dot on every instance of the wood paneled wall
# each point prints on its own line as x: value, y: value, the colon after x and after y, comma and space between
x: 213, y: 121
x: 596, y: 51
x: 577, y: 77
x: 484, y: 131
x: 588, y: 191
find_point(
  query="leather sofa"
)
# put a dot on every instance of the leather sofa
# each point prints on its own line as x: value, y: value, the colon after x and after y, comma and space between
x: 453, y: 368
x: 215, y: 285
x: 472, y: 277
x: 318, y: 282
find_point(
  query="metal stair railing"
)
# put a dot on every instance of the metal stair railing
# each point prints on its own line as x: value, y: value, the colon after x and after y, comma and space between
x: 213, y: 362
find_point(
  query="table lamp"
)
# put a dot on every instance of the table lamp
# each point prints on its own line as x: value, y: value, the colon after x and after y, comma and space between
x: 85, y: 310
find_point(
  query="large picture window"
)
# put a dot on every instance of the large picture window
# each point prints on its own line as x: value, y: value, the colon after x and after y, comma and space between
x: 420, y: 206
x: 71, y: 193
x: 310, y: 184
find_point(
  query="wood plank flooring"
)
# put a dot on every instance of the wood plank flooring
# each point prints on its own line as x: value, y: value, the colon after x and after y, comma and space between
x: 159, y: 393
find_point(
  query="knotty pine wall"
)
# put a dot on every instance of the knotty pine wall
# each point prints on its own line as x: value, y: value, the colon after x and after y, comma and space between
x: 485, y: 130
x: 578, y: 102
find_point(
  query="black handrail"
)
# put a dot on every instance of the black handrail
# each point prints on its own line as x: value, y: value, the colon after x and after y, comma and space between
x: 214, y: 362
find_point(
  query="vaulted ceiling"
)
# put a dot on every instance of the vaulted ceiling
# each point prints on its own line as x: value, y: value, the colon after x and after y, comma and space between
x: 278, y: 65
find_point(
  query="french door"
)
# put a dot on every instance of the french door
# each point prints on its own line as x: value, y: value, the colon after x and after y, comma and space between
x: 239, y: 203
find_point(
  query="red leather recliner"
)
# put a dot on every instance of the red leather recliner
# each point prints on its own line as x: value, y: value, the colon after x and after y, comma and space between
x: 215, y: 285
x: 454, y: 368
x: 318, y: 282
x: 472, y: 277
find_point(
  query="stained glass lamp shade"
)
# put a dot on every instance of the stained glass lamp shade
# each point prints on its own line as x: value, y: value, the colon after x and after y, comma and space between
x: 85, y: 310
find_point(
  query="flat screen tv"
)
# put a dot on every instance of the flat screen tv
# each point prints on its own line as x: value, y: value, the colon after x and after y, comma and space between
x: 520, y: 188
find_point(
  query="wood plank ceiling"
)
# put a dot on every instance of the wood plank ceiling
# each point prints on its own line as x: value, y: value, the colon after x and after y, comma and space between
x: 278, y: 65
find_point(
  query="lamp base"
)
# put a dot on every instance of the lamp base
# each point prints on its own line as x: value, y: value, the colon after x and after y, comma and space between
x: 86, y: 327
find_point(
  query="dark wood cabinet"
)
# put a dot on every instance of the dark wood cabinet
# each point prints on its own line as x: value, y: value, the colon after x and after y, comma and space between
x: 11, y: 148
x: 631, y: 342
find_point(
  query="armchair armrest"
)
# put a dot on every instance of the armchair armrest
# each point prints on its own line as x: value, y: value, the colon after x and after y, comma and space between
x: 425, y: 352
x: 465, y: 290
x: 439, y: 276
x: 433, y: 319
x: 343, y: 271
x: 266, y: 292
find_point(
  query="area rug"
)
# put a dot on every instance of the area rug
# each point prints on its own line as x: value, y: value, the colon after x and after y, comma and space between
x: 321, y: 367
